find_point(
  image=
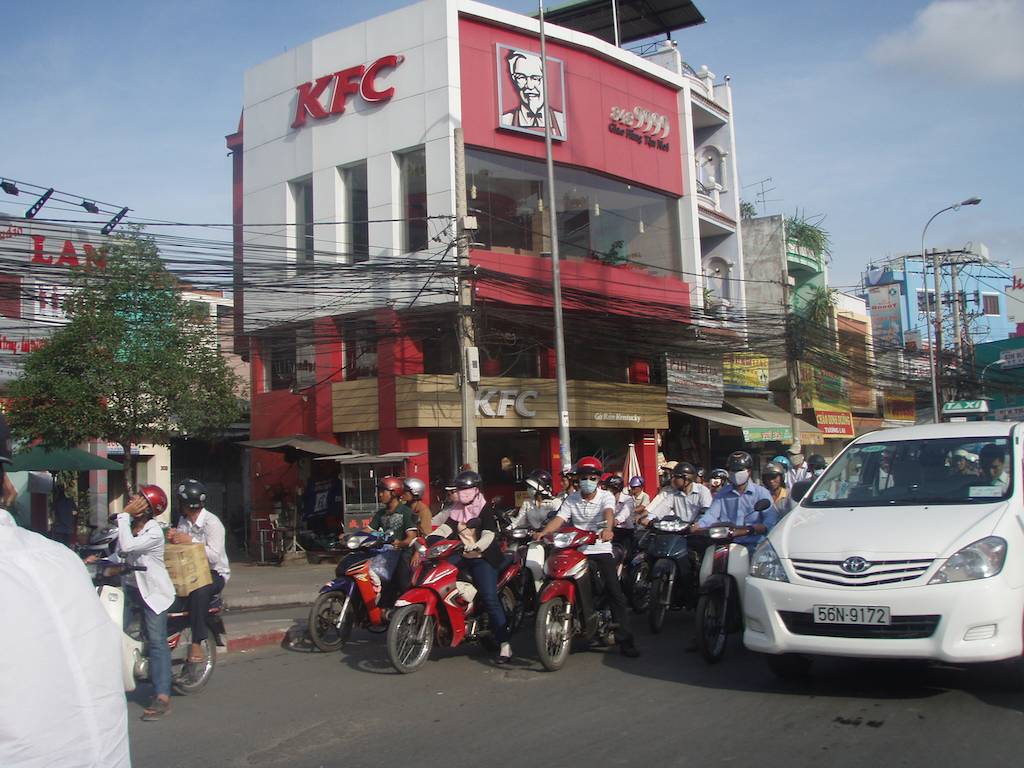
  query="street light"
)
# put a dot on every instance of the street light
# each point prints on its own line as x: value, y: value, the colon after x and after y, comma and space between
x: 937, y: 266
x: 998, y: 363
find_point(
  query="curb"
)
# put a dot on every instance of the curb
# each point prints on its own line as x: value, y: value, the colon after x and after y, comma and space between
x: 261, y: 640
x: 267, y: 602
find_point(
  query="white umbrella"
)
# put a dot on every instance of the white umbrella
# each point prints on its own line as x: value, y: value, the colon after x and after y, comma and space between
x: 632, y: 465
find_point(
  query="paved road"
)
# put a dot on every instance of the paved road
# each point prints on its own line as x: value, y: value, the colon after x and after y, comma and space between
x: 298, y: 708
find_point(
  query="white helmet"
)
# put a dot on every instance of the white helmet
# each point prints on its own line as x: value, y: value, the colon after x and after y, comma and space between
x: 415, y: 486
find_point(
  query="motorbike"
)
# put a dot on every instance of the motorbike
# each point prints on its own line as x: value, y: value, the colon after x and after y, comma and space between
x: 636, y: 574
x: 723, y: 573
x: 352, y: 598
x: 442, y: 607
x: 102, y: 543
x: 134, y: 644
x: 674, y: 568
x: 571, y: 603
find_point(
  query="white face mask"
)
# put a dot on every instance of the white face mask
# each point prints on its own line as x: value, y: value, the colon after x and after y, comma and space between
x: 588, y: 487
x: 739, y: 478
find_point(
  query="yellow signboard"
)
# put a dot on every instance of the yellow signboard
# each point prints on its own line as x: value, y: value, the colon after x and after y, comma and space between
x: 745, y: 372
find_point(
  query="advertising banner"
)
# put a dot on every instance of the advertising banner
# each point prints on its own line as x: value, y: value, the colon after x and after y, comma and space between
x: 833, y: 421
x: 899, y: 406
x: 694, y: 382
x: 884, y: 308
x: 745, y: 372
x: 819, y: 384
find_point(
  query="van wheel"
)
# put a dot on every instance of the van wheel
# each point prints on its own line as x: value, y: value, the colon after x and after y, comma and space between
x: 790, y: 666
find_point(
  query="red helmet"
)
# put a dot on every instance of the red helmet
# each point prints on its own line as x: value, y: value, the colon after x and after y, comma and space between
x: 391, y: 483
x: 155, y: 497
x: 589, y: 465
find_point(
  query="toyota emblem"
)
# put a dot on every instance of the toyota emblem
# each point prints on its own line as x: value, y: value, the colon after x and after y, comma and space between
x: 855, y: 565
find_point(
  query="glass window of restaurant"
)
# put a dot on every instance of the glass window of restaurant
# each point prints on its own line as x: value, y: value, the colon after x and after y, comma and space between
x: 356, y: 212
x: 412, y: 166
x: 598, y: 216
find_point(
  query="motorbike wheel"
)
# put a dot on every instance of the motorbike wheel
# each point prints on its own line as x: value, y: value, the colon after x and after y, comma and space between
x: 513, y: 615
x: 659, y: 601
x: 711, y: 629
x: 184, y: 679
x: 640, y: 588
x: 323, y: 622
x: 406, y: 651
x: 553, y: 642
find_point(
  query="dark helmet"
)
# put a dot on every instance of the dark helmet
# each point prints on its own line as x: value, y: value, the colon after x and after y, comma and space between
x: 719, y: 474
x: 739, y: 460
x: 467, y: 479
x: 636, y: 482
x: 684, y: 468
x: 156, y: 498
x: 390, y: 483
x: 589, y: 465
x: 816, y: 461
x: 415, y: 487
x: 773, y: 469
x: 614, y: 483
x: 539, y: 481
x: 192, y: 493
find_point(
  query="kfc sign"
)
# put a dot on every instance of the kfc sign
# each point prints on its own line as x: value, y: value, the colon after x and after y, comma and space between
x: 360, y: 80
x: 526, y: 97
x: 487, y: 405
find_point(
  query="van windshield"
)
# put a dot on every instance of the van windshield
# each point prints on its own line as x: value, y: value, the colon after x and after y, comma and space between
x: 909, y: 472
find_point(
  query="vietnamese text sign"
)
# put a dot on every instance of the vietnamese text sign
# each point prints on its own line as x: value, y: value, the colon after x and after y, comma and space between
x: 767, y: 434
x: 833, y: 421
x: 899, y: 406
x: 694, y: 382
x: 745, y: 372
x: 1012, y: 358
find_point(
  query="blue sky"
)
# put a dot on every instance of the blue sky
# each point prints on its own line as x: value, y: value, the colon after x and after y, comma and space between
x: 873, y: 114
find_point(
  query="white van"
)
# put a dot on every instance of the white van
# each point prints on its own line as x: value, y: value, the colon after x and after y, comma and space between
x: 909, y: 546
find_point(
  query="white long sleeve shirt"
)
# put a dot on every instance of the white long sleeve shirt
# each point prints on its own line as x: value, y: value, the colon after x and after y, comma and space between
x: 147, y: 550
x: 208, y: 530
x: 63, y: 702
x: 625, y: 511
x: 533, y: 514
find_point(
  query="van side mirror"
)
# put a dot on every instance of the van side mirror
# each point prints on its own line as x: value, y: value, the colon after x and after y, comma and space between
x: 762, y: 505
x: 799, y: 489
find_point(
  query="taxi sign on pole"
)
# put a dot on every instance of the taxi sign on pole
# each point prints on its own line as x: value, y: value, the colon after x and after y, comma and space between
x: 962, y: 407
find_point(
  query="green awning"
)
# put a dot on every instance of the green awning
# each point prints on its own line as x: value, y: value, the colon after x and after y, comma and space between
x: 42, y: 459
x: 754, y: 430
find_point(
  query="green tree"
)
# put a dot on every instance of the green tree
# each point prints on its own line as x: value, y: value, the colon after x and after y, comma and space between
x: 135, y: 363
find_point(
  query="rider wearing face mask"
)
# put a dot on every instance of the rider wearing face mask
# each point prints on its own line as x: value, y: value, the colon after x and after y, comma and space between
x: 589, y: 508
x: 734, y: 504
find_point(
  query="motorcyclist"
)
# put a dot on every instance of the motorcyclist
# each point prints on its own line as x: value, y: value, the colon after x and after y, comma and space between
x: 797, y: 466
x: 413, y: 490
x: 472, y: 521
x: 399, y: 527
x: 625, y: 516
x: 140, y: 542
x: 735, y: 503
x: 538, y: 508
x: 640, y: 498
x: 774, y: 477
x: 593, y: 509
x: 689, y: 499
x: 816, y: 464
x: 717, y: 480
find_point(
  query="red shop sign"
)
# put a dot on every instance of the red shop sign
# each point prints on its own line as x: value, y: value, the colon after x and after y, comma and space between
x: 360, y: 80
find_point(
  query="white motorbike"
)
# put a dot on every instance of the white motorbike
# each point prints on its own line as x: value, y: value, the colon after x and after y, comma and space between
x: 106, y: 577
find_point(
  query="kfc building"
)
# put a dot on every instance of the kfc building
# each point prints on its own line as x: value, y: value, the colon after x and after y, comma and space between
x: 345, y: 194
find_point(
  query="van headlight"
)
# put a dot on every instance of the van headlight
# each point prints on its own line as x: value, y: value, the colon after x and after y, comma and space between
x: 979, y: 560
x: 766, y: 564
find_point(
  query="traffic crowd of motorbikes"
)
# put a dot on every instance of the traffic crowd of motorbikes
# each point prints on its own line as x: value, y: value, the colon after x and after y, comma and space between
x: 580, y: 565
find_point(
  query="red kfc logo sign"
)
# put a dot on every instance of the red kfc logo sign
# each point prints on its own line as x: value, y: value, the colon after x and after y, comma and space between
x: 360, y: 80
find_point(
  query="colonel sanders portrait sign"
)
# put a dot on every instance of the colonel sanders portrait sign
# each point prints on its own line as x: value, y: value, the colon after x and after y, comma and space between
x: 523, y: 99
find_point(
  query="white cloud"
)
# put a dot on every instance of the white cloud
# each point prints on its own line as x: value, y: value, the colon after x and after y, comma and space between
x: 964, y: 40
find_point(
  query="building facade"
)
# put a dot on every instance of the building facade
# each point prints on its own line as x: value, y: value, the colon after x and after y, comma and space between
x: 345, y: 194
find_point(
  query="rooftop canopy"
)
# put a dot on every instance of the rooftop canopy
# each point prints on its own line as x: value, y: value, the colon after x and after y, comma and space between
x: 638, y: 19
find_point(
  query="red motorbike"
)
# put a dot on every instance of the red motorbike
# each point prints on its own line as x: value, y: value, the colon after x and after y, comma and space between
x: 571, y: 603
x: 442, y: 608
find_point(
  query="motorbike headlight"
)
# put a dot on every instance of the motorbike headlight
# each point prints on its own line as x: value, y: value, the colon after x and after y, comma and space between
x: 562, y: 540
x: 979, y: 560
x: 766, y: 564
x: 354, y: 542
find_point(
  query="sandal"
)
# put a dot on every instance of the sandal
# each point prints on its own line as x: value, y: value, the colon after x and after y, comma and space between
x: 156, y: 710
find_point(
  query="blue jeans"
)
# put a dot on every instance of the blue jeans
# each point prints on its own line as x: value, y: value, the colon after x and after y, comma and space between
x: 156, y: 640
x: 485, y: 577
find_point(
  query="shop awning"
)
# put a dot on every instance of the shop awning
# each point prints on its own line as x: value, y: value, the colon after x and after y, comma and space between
x: 760, y: 408
x: 369, y: 458
x: 754, y: 430
x: 300, y: 443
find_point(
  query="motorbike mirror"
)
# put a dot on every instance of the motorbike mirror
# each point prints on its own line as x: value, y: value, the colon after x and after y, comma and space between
x: 799, y: 490
x: 762, y: 505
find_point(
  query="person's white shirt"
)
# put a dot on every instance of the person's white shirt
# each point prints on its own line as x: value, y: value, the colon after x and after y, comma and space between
x: 146, y: 550
x: 588, y: 515
x: 796, y: 474
x: 208, y: 530
x: 60, y: 669
x: 687, y: 505
x: 534, y: 514
x: 625, y: 511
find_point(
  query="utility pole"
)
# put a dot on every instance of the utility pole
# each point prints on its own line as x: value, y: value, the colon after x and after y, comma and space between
x: 556, y: 275
x: 469, y: 355
x: 792, y: 364
x: 955, y: 291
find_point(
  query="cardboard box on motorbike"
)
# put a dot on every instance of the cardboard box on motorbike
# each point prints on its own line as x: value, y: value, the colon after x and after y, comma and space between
x: 188, y: 567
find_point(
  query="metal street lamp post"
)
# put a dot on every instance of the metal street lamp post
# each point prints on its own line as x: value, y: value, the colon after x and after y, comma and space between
x: 937, y: 304
x: 998, y: 364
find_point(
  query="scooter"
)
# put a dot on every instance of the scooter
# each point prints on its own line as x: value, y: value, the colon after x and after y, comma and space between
x: 723, y: 577
x: 674, y: 570
x: 571, y: 603
x: 352, y: 598
x: 636, y: 573
x: 134, y: 643
x: 442, y: 608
